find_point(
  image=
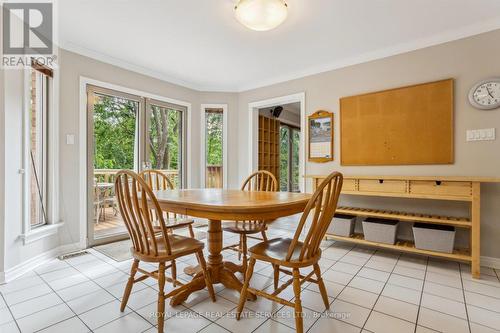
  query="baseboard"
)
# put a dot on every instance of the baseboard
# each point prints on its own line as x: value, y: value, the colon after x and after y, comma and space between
x: 30, y: 264
x: 490, y: 262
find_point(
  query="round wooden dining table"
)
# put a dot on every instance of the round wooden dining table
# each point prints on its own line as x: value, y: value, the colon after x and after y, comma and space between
x: 219, y: 205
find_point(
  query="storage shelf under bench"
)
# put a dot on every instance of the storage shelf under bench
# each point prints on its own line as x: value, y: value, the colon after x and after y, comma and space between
x: 461, y: 222
x: 406, y: 246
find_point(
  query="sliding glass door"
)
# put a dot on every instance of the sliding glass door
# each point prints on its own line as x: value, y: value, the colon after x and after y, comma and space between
x: 127, y: 132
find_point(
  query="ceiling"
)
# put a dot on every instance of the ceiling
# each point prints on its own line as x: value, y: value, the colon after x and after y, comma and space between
x: 199, y: 44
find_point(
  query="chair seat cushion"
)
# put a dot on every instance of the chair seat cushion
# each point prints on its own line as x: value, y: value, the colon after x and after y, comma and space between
x: 243, y: 227
x: 276, y: 250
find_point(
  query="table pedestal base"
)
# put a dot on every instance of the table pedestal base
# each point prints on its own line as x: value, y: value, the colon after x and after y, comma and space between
x: 219, y: 271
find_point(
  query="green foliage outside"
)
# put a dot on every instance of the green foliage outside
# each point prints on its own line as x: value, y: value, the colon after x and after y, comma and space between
x: 214, y: 138
x: 164, y: 136
x: 289, y: 137
x: 114, y: 132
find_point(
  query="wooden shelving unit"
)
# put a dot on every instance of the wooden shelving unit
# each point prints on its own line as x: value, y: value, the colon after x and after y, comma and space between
x: 462, y: 189
x: 269, y: 145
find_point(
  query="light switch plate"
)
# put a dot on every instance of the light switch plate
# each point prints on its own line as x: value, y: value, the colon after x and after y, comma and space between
x: 485, y: 134
x: 70, y: 139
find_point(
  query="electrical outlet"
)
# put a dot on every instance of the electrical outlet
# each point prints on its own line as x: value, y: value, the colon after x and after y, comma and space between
x: 486, y: 134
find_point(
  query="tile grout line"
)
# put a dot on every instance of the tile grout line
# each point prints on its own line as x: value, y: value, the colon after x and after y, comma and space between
x: 465, y: 300
x: 10, y: 311
x: 345, y: 286
x: 113, y: 296
x: 380, y: 294
x: 421, y: 296
x: 272, y: 314
x: 64, y: 302
x: 353, y: 276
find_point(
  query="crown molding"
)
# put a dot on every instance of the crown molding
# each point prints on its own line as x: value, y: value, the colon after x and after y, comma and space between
x: 437, y: 39
x: 72, y: 47
x: 434, y: 40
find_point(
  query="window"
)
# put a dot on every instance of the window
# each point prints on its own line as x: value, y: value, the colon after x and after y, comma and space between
x: 214, y: 148
x: 213, y: 145
x: 165, y: 139
x: 289, y: 158
x: 37, y: 124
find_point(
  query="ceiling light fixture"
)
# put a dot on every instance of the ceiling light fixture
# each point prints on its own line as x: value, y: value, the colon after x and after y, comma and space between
x: 261, y: 15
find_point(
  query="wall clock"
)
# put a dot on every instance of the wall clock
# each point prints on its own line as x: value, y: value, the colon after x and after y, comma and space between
x: 485, y: 95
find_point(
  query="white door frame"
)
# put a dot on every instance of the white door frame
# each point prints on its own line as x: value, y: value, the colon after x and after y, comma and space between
x: 203, y: 142
x: 82, y: 138
x: 253, y: 118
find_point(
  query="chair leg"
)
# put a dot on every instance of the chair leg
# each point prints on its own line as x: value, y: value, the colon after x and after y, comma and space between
x: 321, y: 285
x: 130, y: 283
x: 174, y: 273
x: 276, y: 275
x: 264, y: 236
x: 191, y: 232
x: 299, y: 326
x: 161, y: 297
x: 240, y: 246
x: 206, y: 274
x: 244, y: 289
x: 243, y: 248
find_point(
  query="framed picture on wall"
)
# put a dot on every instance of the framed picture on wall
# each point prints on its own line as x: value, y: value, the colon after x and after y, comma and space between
x: 320, y: 130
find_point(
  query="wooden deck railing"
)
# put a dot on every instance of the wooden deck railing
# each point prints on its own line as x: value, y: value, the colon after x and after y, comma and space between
x: 108, y: 175
x: 213, y: 176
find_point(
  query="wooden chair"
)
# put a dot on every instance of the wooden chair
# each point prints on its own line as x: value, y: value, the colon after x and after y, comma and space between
x: 157, y: 180
x: 136, y: 200
x: 295, y: 254
x: 258, y: 181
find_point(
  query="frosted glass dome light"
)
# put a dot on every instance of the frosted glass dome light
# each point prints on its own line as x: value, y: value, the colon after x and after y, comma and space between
x: 261, y: 15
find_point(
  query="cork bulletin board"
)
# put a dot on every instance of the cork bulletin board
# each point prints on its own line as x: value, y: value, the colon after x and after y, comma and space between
x: 403, y: 126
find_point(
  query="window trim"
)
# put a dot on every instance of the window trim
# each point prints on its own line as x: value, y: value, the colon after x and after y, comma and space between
x: 203, y: 159
x: 31, y: 233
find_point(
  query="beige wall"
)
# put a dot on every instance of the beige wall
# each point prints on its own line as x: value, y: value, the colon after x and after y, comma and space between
x: 467, y: 61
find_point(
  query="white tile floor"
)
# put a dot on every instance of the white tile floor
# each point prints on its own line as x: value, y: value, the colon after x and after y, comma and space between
x: 370, y: 291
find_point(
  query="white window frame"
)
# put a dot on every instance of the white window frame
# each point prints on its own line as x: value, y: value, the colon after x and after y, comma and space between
x: 29, y: 233
x: 203, y: 158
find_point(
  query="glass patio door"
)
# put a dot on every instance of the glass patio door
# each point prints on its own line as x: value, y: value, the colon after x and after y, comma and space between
x: 115, y: 142
x: 165, y: 139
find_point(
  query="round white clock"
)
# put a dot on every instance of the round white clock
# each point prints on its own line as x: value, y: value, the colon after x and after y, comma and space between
x: 485, y: 95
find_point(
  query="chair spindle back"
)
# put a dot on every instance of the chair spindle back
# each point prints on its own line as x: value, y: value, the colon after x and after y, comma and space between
x: 323, y: 203
x: 261, y: 180
x: 157, y: 180
x: 136, y: 201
